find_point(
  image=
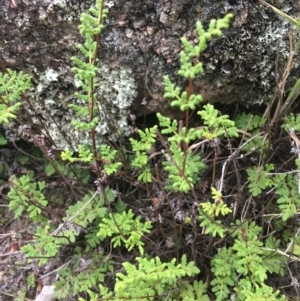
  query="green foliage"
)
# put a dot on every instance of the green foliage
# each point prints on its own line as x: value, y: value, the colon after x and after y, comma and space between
x: 189, y: 70
x: 82, y: 275
x: 31, y: 280
x: 108, y: 156
x: 3, y: 140
x: 140, y: 148
x: 209, y: 212
x: 224, y: 274
x: 241, y: 266
x: 23, y: 160
x: 259, y: 179
x: 287, y: 188
x: 216, y: 126
x: 21, y: 295
x: 12, y: 85
x: 261, y: 292
x: 73, y: 171
x: 251, y: 124
x: 183, y: 169
x: 90, y: 208
x: 195, y: 291
x: 169, y: 127
x: 8, y: 112
x: 85, y: 71
x: 292, y: 122
x: 124, y: 228
x: 151, y: 279
x: 243, y: 263
x: 26, y: 195
x: 45, y: 247
x: 248, y: 122
x: 182, y: 166
x: 273, y: 260
x: 85, y: 155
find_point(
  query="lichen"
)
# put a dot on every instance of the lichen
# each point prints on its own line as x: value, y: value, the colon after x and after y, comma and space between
x: 116, y: 91
x: 61, y: 3
x: 245, y: 59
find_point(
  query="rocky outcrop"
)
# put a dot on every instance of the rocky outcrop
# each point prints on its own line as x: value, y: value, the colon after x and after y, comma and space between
x: 144, y: 37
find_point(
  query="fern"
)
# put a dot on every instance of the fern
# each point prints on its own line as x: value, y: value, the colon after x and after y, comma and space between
x: 71, y: 170
x: 193, y: 292
x: 272, y: 259
x: 209, y: 213
x: 240, y: 269
x: 45, y: 247
x: 183, y: 169
x: 108, y: 156
x: 147, y: 139
x: 27, y: 195
x: 85, y: 155
x: 248, y: 122
x: 262, y: 292
x: 82, y: 275
x: 215, y: 125
x: 150, y: 279
x: 85, y: 71
x: 259, y: 179
x: 132, y: 230
x: 292, y: 121
x: 287, y: 190
x: 91, y: 207
x: 12, y: 85
x: 243, y: 263
x: 251, y: 124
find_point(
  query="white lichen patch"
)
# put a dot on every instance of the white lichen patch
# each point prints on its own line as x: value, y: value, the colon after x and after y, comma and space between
x: 61, y: 3
x: 51, y: 75
x: 109, y: 4
x: 48, y: 76
x: 116, y: 90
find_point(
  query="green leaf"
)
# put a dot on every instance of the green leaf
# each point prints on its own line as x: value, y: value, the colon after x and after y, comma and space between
x: 259, y: 179
x: 3, y: 140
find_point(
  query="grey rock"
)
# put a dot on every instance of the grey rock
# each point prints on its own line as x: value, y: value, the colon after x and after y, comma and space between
x: 144, y: 38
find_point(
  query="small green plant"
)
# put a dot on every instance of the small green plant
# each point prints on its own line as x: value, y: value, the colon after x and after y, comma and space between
x: 244, y: 263
x: 152, y: 279
x: 12, y: 85
x: 86, y: 70
x: 251, y: 127
x: 259, y: 179
x: 82, y: 274
x: 287, y: 189
x: 182, y: 166
x: 94, y: 230
x: 107, y: 156
x: 147, y: 139
x: 124, y: 228
x: 210, y: 212
x: 28, y: 196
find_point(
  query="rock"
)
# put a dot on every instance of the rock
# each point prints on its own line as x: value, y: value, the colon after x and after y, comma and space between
x: 143, y: 38
x: 46, y: 293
